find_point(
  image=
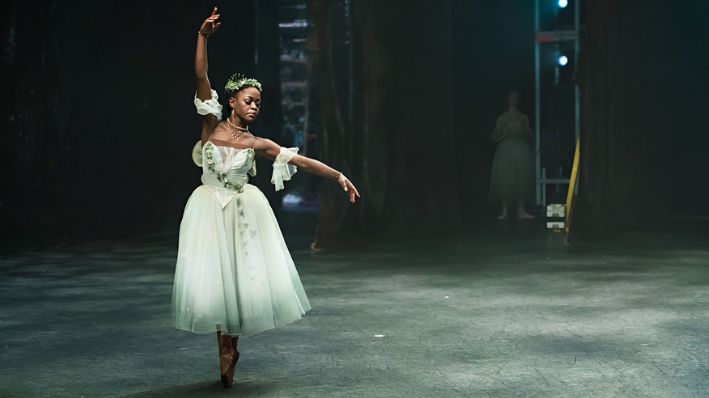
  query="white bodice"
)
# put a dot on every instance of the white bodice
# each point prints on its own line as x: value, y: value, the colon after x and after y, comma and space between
x: 227, y: 167
x: 511, y: 125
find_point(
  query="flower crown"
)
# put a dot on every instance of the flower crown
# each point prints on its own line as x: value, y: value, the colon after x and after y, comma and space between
x: 237, y: 81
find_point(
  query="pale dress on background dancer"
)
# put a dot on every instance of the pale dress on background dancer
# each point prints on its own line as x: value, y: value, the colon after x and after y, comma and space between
x: 512, y: 173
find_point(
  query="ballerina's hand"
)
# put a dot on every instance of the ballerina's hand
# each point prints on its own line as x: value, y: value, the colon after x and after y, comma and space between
x: 348, y: 187
x: 211, y: 24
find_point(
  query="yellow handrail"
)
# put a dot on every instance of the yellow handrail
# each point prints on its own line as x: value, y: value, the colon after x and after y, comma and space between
x: 572, y: 187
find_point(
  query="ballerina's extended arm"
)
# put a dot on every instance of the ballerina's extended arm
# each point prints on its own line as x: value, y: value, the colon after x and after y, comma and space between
x: 204, y: 89
x: 270, y: 149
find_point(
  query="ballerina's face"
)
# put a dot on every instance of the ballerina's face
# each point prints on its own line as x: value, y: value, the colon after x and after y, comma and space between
x: 246, y: 103
x: 513, y: 98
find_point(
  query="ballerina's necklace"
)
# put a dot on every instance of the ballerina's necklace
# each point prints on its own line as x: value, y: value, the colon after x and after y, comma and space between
x: 237, y: 132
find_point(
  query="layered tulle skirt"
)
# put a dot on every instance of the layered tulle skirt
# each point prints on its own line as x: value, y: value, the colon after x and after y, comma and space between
x: 234, y: 272
x: 512, y: 174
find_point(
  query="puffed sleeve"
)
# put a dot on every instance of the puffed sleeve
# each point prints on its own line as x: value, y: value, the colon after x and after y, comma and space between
x: 197, y: 153
x: 210, y: 106
x: 282, y: 170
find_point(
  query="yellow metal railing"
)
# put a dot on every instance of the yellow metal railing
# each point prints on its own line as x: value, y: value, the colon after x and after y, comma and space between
x: 572, y: 187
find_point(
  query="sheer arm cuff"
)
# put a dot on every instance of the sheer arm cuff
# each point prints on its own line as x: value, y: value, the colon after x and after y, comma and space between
x: 282, y: 170
x: 210, y: 106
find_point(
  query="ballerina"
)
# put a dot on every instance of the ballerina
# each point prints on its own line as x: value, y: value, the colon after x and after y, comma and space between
x: 511, y: 178
x: 234, y: 274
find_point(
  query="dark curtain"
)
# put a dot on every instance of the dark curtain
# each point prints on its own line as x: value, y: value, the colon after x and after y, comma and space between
x: 98, y: 123
x: 429, y: 78
x: 398, y: 145
x: 637, y: 102
x: 328, y: 118
x: 97, y: 114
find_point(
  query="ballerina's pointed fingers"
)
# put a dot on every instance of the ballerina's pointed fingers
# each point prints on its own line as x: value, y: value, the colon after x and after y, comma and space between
x: 353, y: 189
x: 212, y: 19
x: 354, y: 194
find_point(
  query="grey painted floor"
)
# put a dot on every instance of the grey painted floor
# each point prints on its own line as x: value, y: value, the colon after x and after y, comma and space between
x: 499, y: 313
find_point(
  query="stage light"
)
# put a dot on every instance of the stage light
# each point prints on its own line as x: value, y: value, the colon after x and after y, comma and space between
x: 562, y: 60
x: 563, y: 3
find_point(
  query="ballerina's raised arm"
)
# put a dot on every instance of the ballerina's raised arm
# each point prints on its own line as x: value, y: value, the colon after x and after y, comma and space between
x: 205, y: 94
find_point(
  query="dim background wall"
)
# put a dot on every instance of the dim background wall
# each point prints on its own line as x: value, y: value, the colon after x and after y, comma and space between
x: 644, y: 77
x: 98, y: 121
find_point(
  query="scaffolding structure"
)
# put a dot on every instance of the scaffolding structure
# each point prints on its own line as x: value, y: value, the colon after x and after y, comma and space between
x: 294, y: 73
x: 545, y: 37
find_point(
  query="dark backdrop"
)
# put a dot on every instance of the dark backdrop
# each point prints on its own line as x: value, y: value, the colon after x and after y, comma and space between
x: 97, y: 114
x: 98, y: 121
x: 430, y: 79
x: 644, y: 76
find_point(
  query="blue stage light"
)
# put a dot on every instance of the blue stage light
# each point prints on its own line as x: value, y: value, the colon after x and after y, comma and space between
x: 563, y: 3
x: 562, y: 60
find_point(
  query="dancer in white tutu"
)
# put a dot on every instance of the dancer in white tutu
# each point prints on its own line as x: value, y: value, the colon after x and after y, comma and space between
x: 234, y: 274
x: 512, y: 174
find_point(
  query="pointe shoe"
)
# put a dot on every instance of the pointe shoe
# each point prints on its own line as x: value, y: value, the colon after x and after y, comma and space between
x: 227, y: 359
x: 231, y: 369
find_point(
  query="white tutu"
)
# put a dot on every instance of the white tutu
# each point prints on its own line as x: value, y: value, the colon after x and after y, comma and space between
x: 234, y: 272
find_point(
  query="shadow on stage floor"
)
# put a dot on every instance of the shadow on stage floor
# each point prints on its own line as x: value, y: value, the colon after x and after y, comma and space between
x: 243, y: 388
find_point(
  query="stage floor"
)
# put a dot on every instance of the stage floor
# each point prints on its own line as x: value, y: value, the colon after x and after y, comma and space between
x: 504, y: 312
